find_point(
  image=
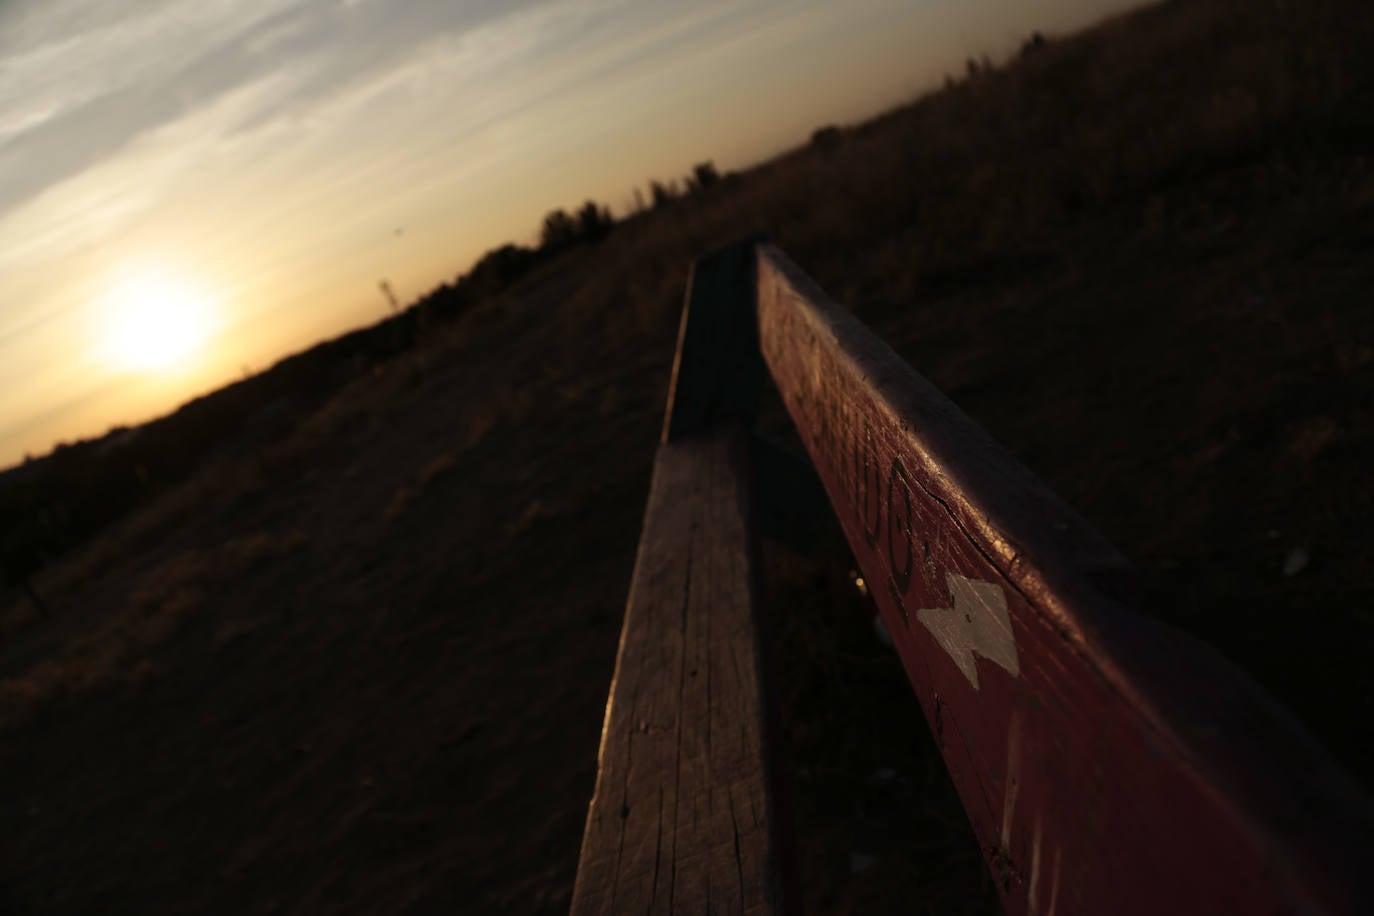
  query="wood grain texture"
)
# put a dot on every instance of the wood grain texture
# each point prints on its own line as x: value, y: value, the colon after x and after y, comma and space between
x: 680, y: 820
x: 1107, y: 764
x: 685, y: 818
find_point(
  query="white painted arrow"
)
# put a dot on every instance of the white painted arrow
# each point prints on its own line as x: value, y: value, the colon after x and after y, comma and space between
x: 977, y: 623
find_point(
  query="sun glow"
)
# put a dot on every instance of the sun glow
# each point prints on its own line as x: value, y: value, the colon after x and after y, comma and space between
x: 152, y: 320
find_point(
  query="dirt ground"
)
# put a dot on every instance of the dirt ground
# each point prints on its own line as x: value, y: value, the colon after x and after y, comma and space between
x: 365, y: 672
x: 361, y: 667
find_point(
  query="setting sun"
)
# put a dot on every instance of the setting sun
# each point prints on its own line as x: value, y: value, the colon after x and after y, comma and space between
x: 152, y: 320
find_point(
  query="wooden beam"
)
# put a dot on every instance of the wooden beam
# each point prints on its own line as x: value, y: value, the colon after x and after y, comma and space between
x: 1107, y: 764
x: 685, y: 816
x: 680, y: 821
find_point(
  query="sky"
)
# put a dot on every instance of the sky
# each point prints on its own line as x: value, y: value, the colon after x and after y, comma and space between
x: 192, y: 189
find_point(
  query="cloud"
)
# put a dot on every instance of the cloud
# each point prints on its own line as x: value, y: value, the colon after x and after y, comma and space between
x: 275, y: 118
x: 77, y: 86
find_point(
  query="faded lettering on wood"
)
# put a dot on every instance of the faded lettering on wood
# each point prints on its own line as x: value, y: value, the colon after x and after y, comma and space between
x: 680, y: 821
x: 1107, y: 765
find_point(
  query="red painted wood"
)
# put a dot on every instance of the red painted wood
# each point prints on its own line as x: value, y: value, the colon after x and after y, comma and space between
x: 1107, y: 765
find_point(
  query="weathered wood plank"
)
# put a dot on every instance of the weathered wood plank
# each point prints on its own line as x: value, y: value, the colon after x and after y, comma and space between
x: 684, y: 818
x: 680, y: 821
x: 1107, y: 765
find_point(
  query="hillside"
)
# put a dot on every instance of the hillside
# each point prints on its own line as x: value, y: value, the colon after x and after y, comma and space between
x: 360, y: 662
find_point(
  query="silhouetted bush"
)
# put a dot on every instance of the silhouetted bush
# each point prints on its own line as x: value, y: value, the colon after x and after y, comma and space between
x: 827, y: 138
x: 704, y: 175
x: 560, y: 230
x: 662, y: 194
x: 1033, y: 44
x: 594, y: 222
x: 497, y: 269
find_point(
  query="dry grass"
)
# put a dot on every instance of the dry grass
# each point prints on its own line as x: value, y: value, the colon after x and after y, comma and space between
x: 116, y: 649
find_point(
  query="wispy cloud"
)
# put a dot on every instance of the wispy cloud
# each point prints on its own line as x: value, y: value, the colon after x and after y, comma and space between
x: 277, y: 94
x: 174, y: 115
x: 78, y: 84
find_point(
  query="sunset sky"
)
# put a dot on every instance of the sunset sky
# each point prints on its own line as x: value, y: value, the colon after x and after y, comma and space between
x: 191, y: 189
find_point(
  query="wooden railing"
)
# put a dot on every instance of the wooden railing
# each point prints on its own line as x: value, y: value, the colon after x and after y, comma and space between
x: 1107, y: 764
